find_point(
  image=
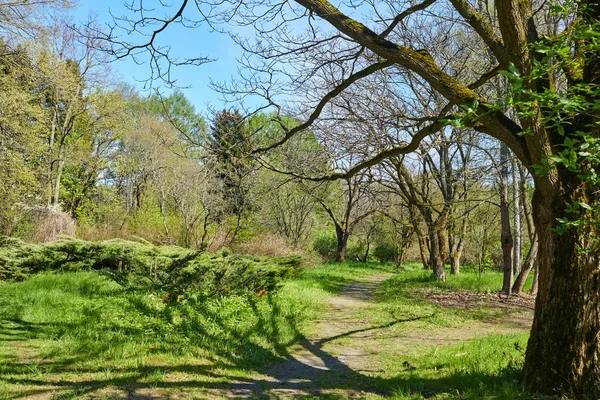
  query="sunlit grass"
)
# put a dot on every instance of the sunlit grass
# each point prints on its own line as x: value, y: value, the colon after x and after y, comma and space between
x: 97, y: 337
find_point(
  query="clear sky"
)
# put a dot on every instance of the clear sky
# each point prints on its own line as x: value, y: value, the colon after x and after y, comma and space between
x: 185, y: 43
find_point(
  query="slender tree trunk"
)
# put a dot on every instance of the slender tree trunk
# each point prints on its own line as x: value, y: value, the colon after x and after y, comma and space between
x: 402, y: 254
x: 442, y: 233
x: 342, y: 242
x: 506, y: 236
x: 163, y: 213
x: 536, y: 279
x: 457, y: 245
x: 50, y: 157
x: 456, y: 254
x: 421, y: 239
x: 59, y: 170
x: 517, y: 248
x: 238, y: 224
x: 435, y: 259
x: 423, y: 251
x: 204, y: 230
x: 527, y: 268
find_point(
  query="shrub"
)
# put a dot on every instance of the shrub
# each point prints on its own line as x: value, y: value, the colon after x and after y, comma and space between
x: 265, y: 245
x: 140, y: 264
x: 325, y: 243
x: 386, y: 252
x: 50, y: 223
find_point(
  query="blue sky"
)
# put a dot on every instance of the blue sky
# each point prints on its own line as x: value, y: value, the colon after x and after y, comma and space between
x: 184, y: 43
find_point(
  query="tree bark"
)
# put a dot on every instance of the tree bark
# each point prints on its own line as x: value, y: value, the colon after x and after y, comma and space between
x: 435, y: 259
x: 527, y: 268
x: 517, y: 247
x: 455, y: 259
x: 506, y: 236
x: 536, y: 279
x: 342, y: 243
x: 563, y: 353
x: 457, y: 245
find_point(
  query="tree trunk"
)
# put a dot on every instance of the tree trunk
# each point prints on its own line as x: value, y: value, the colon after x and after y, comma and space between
x: 529, y: 264
x: 455, y: 259
x: 506, y: 236
x: 563, y: 354
x: 342, y: 242
x: 442, y: 233
x: 424, y: 253
x: 536, y: 279
x: 163, y: 214
x: 457, y: 244
x: 435, y: 259
x: 517, y: 253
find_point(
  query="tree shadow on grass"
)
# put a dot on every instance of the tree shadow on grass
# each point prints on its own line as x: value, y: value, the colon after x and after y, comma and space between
x: 232, y: 357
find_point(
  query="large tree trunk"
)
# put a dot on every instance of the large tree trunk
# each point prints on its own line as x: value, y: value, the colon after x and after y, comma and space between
x: 563, y: 353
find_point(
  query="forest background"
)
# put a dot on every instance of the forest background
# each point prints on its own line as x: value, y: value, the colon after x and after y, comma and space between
x: 88, y: 156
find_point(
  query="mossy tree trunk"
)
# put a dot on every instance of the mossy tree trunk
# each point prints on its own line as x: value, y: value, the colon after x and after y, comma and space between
x: 563, y: 353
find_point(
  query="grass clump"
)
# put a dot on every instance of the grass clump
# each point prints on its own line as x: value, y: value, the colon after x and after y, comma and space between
x: 482, y: 368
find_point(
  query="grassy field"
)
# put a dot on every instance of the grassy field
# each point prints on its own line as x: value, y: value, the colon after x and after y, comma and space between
x: 80, y: 335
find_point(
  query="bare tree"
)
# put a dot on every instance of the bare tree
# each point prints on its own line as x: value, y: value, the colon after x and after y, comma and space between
x: 564, y: 348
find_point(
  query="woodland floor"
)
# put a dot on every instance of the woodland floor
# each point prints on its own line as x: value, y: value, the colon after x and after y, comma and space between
x: 340, y: 358
x: 345, y: 354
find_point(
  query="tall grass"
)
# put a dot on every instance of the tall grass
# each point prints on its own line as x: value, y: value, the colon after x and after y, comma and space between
x: 86, y: 317
x: 87, y: 331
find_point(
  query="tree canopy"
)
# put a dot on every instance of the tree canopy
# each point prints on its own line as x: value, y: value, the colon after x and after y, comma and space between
x: 433, y: 63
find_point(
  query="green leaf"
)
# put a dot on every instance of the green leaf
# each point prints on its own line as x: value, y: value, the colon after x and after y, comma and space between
x: 584, y: 205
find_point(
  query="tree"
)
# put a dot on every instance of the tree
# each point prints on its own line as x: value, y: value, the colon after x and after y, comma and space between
x: 228, y: 149
x: 553, y: 127
x: 19, y: 145
x: 355, y: 203
x: 25, y: 19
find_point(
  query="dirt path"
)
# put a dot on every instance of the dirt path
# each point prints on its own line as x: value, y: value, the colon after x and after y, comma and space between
x: 334, y: 357
x: 339, y: 358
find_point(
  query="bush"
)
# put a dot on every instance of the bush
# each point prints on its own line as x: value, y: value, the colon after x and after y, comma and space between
x: 265, y: 245
x: 222, y: 273
x: 386, y: 252
x: 50, y: 223
x: 142, y: 265
x: 325, y: 243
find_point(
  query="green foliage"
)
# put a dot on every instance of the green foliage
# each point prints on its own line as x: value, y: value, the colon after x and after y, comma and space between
x: 224, y: 273
x: 230, y: 144
x: 142, y: 265
x: 386, y: 252
x: 569, y: 112
x: 325, y: 243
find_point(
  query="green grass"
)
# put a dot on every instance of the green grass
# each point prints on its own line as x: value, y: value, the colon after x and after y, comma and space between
x: 86, y: 325
x: 80, y: 334
x: 332, y: 277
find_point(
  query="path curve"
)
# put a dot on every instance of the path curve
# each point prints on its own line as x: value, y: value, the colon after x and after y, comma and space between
x: 317, y: 361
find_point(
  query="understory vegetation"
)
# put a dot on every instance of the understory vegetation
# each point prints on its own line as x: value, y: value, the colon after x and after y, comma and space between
x: 82, y: 334
x: 140, y: 265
